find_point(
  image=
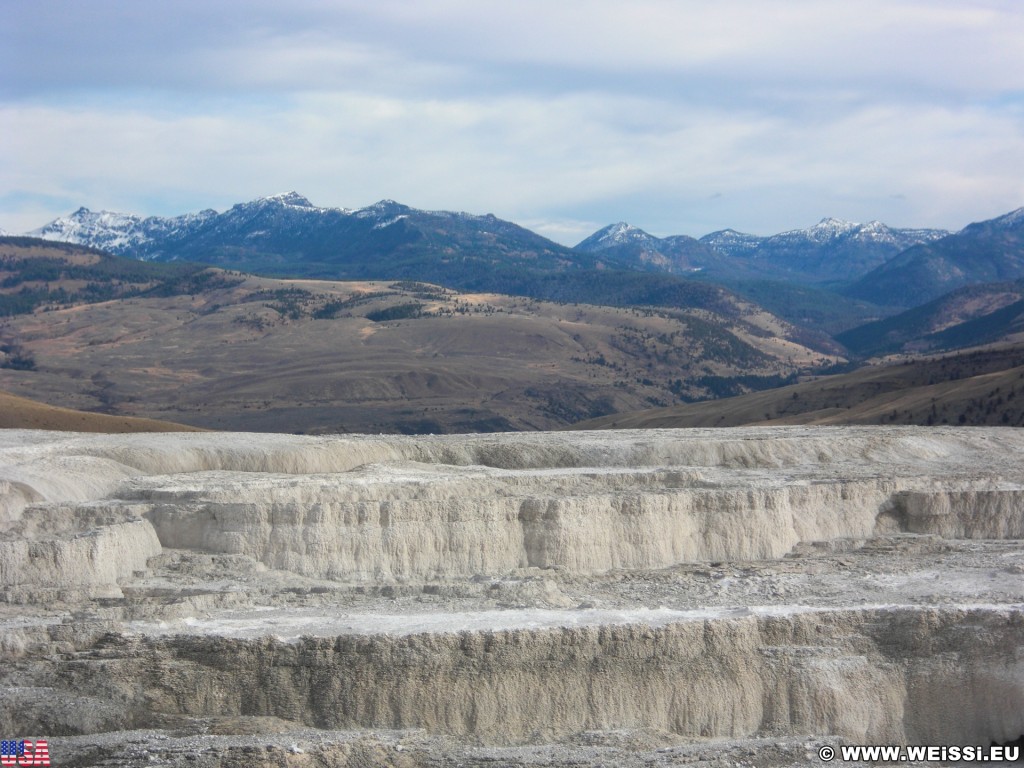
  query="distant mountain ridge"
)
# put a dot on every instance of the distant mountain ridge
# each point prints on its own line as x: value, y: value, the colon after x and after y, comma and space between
x: 983, y: 252
x: 818, y: 282
x: 115, y: 232
x: 287, y: 234
x: 637, y: 249
x: 163, y: 238
x: 288, y: 229
x: 620, y: 264
x: 832, y: 250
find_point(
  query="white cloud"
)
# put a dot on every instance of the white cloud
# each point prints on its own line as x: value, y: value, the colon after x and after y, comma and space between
x: 938, y: 44
x: 930, y: 44
x: 686, y: 116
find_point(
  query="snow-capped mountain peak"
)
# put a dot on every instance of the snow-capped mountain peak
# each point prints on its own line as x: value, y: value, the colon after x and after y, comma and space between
x: 292, y: 198
x: 621, y: 230
x: 381, y: 209
x: 731, y: 242
x: 113, y: 231
x: 619, y: 233
x: 128, y: 233
x: 827, y: 229
x: 832, y: 223
x: 100, y: 229
x: 1011, y: 220
x: 1008, y: 222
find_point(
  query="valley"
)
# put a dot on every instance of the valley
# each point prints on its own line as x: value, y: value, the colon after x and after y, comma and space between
x: 224, y: 350
x: 453, y: 322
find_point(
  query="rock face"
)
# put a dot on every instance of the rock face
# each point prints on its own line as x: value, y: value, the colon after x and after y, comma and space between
x: 509, y: 590
x: 870, y: 676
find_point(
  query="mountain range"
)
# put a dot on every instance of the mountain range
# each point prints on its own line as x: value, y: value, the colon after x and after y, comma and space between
x: 830, y: 277
x: 831, y: 250
x: 288, y: 232
x: 677, y: 318
x: 982, y: 252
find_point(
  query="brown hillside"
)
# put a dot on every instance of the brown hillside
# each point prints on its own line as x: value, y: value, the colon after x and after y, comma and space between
x: 979, y: 387
x: 237, y: 352
x: 22, y: 413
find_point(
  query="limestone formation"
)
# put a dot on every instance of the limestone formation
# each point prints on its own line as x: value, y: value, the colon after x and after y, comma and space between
x: 541, y: 595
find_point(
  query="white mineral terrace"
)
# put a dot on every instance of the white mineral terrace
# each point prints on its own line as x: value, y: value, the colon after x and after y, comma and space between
x: 854, y: 583
x: 293, y: 624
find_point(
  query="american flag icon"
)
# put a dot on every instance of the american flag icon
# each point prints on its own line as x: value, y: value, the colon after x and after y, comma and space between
x: 24, y: 752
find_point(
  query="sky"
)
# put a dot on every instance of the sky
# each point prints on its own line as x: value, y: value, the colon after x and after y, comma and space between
x: 677, y: 116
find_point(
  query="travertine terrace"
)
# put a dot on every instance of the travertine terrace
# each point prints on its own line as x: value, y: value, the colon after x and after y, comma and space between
x: 631, y: 598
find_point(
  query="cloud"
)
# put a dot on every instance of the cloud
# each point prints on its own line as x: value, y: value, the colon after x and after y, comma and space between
x: 681, y: 116
x: 935, y: 45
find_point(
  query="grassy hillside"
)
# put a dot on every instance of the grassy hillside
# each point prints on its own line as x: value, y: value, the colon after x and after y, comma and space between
x: 243, y: 352
x: 809, y: 306
x: 971, y: 316
x: 980, y: 387
x: 37, y: 274
x: 23, y: 413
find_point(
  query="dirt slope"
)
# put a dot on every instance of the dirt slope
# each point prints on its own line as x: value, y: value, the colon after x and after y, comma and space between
x: 22, y: 413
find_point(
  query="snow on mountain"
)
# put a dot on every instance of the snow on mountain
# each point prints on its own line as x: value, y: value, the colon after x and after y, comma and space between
x: 825, y: 230
x: 832, y: 249
x: 389, y: 222
x: 287, y: 233
x: 130, y: 234
x: 990, y: 251
x: 729, y: 242
x: 1012, y: 219
x: 732, y: 243
x: 630, y: 247
x: 292, y: 198
x: 100, y: 229
x: 115, y: 232
x: 829, y: 230
x: 617, y: 234
x: 1008, y: 221
x: 382, y: 209
x: 126, y: 233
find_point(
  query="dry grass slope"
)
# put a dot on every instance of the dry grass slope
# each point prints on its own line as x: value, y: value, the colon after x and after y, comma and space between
x: 22, y: 413
x: 983, y: 387
x: 231, y: 351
